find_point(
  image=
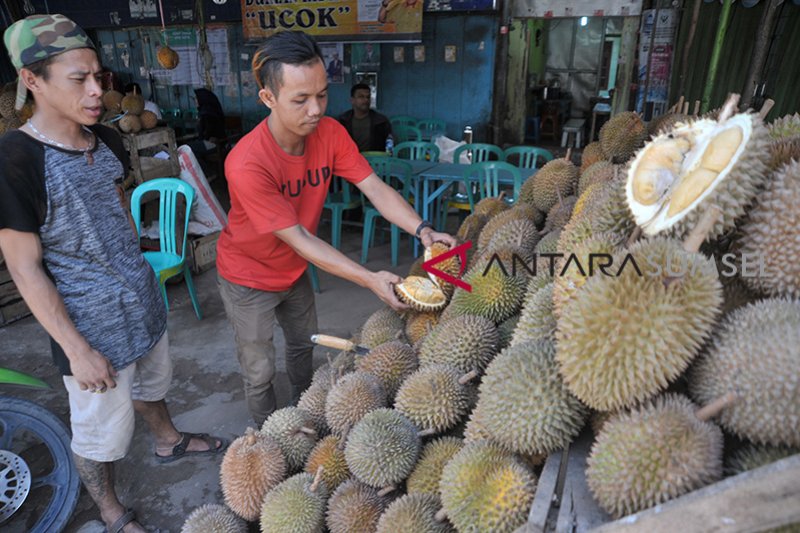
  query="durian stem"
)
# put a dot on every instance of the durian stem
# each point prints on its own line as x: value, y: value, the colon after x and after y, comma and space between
x: 427, y: 432
x: 441, y: 515
x: 678, y: 106
x: 307, y: 431
x: 702, y: 229
x: 568, y: 157
x: 686, y: 108
x: 766, y: 108
x: 711, y: 410
x: 502, y: 195
x: 250, y: 438
x: 730, y: 108
x: 469, y: 376
x: 696, y: 108
x: 343, y: 438
x: 317, y: 478
x: 635, y: 236
x: 387, y: 490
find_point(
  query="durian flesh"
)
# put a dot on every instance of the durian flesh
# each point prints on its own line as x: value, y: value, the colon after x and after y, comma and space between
x: 675, y: 176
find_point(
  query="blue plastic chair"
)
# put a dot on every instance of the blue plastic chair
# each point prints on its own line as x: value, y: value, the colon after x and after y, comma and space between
x: 527, y: 156
x: 403, y: 120
x: 417, y: 151
x: 431, y: 127
x: 403, y: 133
x: 312, y: 270
x: 488, y: 186
x: 168, y: 261
x: 480, y: 152
x: 396, y: 173
x: 339, y: 200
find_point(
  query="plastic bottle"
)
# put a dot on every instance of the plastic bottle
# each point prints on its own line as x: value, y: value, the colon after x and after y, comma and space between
x: 389, y: 145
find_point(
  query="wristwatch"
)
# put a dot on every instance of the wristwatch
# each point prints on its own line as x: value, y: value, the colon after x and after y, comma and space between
x: 422, y: 225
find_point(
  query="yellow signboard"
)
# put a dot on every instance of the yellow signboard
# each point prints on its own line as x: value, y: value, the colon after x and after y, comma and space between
x: 335, y: 20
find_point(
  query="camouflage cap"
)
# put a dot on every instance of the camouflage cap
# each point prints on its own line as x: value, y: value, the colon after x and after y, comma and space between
x: 38, y: 37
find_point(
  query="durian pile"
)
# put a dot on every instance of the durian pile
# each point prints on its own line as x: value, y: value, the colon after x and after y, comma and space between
x: 445, y: 423
x: 10, y: 118
x: 127, y: 112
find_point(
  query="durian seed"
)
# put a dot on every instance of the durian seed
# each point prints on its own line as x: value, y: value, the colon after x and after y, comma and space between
x: 722, y: 148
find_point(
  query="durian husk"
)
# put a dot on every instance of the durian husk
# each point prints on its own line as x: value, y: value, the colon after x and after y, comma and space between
x: 391, y: 362
x: 537, y: 320
x: 290, y: 428
x: 413, y: 513
x: 296, y: 505
x: 591, y: 155
x: 133, y: 104
x: 466, y: 342
x: 329, y: 454
x: 433, y: 398
x: 149, y: 120
x: 752, y: 456
x: 383, y: 325
x: 622, y: 135
x: 786, y: 126
x: 556, y: 178
x: 167, y: 57
x: 560, y: 214
x: 130, y: 124
x: 355, y: 508
x: 451, y: 266
x: 491, y: 206
x: 353, y: 396
x: 418, y: 325
x: 213, y: 518
x: 112, y: 101
x: 428, y: 472
x: 600, y: 172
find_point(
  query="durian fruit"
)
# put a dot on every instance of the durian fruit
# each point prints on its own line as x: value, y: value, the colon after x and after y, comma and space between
x: 252, y: 466
x: 416, y: 269
x: 383, y: 325
x: 519, y: 234
x: 548, y: 244
x: 786, y: 126
x: 294, y: 431
x: 524, y: 212
x: 589, y: 196
x: 600, y: 172
x: 451, y: 266
x: 772, y: 236
x: 7, y: 103
x: 466, y: 342
x: 783, y: 151
x: 505, y: 331
x: 313, y: 402
x: 491, y: 206
x: 296, y: 506
x: 756, y: 355
x: 428, y: 472
x: 497, y: 293
x: 665, y: 123
x: 167, y: 57
x: 625, y: 336
x: 420, y: 324
x: 655, y: 453
x: 557, y: 178
x: 422, y: 294
x: 355, y: 508
x: 132, y: 104
x: 475, y: 429
x: 413, y: 513
x: 329, y: 454
x: 559, y: 214
x: 622, y: 135
x: 591, y: 155
x: 26, y: 112
x: 537, y: 320
x: 527, y: 407
x: 610, y: 213
x: 213, y: 518
x: 391, y: 362
x: 149, y: 120
x: 130, y: 124
x: 752, y: 456
x: 353, y: 396
x: 678, y: 176
x: 112, y: 101
x: 485, y: 488
x: 382, y: 448
x: 435, y: 397
x: 471, y: 227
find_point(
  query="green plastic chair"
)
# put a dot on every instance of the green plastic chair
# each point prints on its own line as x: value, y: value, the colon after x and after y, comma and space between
x: 312, y: 270
x: 396, y: 173
x: 339, y: 200
x: 480, y: 152
x: 168, y: 261
x: 403, y: 134
x: 431, y: 126
x: 488, y: 186
x: 417, y: 151
x: 527, y: 156
x: 403, y: 120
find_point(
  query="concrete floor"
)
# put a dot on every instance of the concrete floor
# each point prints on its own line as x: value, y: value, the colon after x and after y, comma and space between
x: 206, y: 394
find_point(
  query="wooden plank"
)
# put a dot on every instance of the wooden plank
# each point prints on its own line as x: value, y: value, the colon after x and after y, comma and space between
x: 579, y: 512
x: 8, y: 293
x: 757, y: 500
x: 546, y: 494
x: 5, y: 275
x: 13, y: 312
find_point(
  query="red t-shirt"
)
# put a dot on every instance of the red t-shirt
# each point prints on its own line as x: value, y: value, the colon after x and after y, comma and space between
x: 271, y: 190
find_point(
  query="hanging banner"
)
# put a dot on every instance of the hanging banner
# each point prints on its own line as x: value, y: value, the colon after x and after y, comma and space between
x: 659, y: 62
x: 335, y: 20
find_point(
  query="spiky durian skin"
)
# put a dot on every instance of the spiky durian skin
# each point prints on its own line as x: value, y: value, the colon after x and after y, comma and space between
x: 292, y: 507
x: 466, y: 342
x: 556, y: 178
x: 471, y: 228
x: 428, y: 472
x: 525, y: 404
x: 786, y: 126
x: 382, y: 448
x: 548, y: 244
x: 253, y: 465
x: 329, y: 454
x: 771, y: 236
x: 497, y: 223
x: 783, y: 151
x: 592, y: 154
x: 517, y: 233
x: 623, y: 339
x: 475, y: 429
x: 353, y: 396
x: 391, y: 362
x: 559, y: 214
x: 756, y: 354
x: 612, y: 213
x: 284, y: 425
x: 420, y: 324
x: 597, y: 174
x: 622, y: 135
x: 506, y: 331
x: 212, y: 518
x: 433, y: 399
x: 753, y: 456
x: 484, y: 488
x: 665, y: 123
x: 383, y: 325
x: 537, y: 320
x: 355, y: 508
x: 653, y: 454
x: 491, y: 206
x: 413, y: 513
x: 313, y: 401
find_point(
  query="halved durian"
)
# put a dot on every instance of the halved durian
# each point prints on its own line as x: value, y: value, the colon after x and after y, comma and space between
x: 421, y: 293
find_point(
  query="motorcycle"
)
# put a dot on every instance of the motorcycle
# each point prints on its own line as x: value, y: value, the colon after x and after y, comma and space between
x: 39, y: 484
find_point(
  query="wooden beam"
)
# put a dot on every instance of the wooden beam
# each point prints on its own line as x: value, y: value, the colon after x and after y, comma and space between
x: 759, y: 58
x: 622, y: 87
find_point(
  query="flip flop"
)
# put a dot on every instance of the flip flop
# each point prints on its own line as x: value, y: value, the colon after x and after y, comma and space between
x: 181, y: 449
x: 127, y: 517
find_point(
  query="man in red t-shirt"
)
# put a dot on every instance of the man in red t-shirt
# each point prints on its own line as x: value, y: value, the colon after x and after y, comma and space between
x: 278, y: 176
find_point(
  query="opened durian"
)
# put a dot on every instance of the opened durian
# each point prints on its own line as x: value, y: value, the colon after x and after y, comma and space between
x: 451, y: 266
x: 422, y: 294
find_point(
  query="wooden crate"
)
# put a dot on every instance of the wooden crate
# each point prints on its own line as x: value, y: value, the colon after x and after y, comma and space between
x: 202, y: 252
x: 755, y: 500
x: 144, y: 167
x: 12, y: 306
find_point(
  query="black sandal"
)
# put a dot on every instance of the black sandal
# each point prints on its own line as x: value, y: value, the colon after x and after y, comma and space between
x: 181, y: 449
x: 127, y: 517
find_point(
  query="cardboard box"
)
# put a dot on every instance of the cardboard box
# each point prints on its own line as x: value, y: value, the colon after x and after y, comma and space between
x: 202, y: 252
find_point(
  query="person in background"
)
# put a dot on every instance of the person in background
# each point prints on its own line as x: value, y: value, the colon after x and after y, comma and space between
x: 278, y: 177
x: 210, y: 122
x: 69, y: 243
x: 148, y: 105
x: 368, y: 128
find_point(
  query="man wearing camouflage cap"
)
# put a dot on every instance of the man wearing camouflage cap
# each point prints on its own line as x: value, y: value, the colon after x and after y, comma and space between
x: 67, y: 238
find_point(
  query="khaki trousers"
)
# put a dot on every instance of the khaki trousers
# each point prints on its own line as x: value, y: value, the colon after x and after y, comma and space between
x: 252, y: 313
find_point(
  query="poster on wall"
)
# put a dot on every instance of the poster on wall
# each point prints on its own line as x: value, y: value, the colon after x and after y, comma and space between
x: 143, y: 9
x: 460, y: 5
x: 365, y: 57
x: 659, y: 62
x: 332, y: 54
x: 336, y: 20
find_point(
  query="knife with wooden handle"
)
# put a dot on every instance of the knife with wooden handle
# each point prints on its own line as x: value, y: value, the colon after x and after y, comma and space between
x: 339, y: 344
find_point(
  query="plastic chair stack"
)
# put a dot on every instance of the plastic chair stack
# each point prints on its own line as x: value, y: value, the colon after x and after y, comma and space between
x: 396, y: 173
